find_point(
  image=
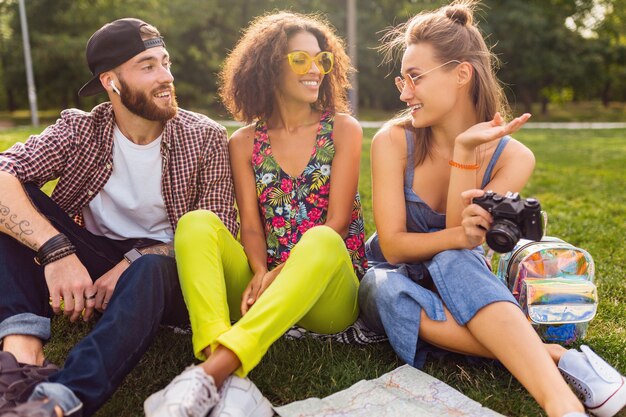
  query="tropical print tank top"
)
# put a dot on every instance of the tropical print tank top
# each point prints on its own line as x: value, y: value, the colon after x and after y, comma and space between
x: 292, y: 205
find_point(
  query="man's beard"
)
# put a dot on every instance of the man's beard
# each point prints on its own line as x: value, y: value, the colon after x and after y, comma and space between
x: 141, y: 104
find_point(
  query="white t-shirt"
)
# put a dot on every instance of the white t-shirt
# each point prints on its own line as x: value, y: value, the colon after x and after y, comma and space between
x: 131, y: 205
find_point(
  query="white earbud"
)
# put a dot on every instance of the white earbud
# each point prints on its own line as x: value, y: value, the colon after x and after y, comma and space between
x: 112, y: 84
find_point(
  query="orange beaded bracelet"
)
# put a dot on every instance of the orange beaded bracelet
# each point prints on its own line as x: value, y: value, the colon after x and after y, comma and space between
x: 463, y: 166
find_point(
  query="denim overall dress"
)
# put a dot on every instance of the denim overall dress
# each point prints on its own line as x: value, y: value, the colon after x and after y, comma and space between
x: 391, y: 296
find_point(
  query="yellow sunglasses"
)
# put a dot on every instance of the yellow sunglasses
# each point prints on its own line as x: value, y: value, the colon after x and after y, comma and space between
x: 301, y: 62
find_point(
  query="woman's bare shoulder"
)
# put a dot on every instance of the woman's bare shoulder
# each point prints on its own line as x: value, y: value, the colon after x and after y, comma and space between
x: 346, y: 126
x: 516, y: 150
x: 390, y: 137
x: 242, y: 136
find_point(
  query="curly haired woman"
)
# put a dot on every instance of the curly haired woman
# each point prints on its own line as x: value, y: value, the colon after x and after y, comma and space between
x: 301, y: 255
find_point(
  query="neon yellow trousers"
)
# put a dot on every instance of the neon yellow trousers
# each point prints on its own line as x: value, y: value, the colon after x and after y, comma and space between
x: 317, y: 288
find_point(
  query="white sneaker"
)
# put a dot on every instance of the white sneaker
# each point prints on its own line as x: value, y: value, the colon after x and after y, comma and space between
x: 239, y: 397
x: 190, y: 394
x: 600, y: 387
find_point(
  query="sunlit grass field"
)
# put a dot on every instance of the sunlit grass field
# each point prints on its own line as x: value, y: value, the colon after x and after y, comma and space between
x: 580, y: 180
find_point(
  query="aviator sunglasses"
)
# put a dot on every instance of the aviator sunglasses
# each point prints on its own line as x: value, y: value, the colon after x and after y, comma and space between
x: 412, y: 79
x: 300, y: 61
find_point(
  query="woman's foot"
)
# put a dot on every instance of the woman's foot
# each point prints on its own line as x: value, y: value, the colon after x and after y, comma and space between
x: 239, y: 397
x: 191, y: 394
x: 601, y: 387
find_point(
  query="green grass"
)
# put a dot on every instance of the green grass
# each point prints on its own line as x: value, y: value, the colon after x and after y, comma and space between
x: 579, y: 180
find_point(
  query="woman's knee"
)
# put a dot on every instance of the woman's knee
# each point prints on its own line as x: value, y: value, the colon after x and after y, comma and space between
x: 323, y: 242
x: 377, y: 287
x: 198, y: 218
x: 369, y: 298
x: 367, y: 288
x: 196, y: 224
x: 322, y: 233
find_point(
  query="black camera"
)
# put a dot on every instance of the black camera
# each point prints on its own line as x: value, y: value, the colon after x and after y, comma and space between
x: 513, y: 218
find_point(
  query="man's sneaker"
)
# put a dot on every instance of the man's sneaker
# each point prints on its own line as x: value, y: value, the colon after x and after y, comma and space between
x: 239, y: 397
x: 17, y: 380
x: 190, y: 394
x: 600, y: 387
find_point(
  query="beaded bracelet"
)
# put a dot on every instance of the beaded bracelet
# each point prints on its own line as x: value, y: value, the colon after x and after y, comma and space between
x: 463, y: 166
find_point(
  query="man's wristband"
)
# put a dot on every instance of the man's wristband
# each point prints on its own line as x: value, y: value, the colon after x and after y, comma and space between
x: 132, y: 255
x: 55, y: 248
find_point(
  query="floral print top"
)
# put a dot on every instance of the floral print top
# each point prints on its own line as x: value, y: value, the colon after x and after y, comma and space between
x: 292, y: 205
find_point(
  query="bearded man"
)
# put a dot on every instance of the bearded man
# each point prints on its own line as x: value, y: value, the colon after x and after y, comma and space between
x: 127, y: 171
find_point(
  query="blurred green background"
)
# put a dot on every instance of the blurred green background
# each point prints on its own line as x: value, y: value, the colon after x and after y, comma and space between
x: 561, y: 59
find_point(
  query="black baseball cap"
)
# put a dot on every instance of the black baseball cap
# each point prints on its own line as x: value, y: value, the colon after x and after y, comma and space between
x: 112, y: 45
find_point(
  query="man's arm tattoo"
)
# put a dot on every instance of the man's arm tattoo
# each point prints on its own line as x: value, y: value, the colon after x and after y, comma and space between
x: 166, y: 249
x: 17, y: 228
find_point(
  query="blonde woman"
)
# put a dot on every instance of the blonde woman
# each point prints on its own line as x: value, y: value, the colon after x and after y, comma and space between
x: 430, y: 286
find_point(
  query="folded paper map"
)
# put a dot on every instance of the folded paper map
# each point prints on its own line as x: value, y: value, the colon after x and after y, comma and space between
x: 402, y: 392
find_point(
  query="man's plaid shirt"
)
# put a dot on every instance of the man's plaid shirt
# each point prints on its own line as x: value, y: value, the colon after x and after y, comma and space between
x: 78, y: 150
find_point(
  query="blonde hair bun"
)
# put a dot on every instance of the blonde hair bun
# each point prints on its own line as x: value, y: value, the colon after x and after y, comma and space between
x: 460, y: 13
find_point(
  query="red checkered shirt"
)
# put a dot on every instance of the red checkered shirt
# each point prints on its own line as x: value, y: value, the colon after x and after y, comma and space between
x: 78, y: 150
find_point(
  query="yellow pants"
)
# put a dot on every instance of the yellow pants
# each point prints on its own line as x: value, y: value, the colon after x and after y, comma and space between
x: 317, y: 288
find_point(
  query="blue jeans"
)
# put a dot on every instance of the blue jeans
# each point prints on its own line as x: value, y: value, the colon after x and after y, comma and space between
x: 147, y: 294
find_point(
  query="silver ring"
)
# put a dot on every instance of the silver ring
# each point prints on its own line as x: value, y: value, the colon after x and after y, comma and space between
x: 90, y: 297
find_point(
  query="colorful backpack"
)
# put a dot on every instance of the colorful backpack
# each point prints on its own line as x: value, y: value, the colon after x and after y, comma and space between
x: 553, y: 282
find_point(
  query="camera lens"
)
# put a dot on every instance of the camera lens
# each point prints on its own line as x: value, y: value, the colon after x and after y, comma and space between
x: 503, y: 236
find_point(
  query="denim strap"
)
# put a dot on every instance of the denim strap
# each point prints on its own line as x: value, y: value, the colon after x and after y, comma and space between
x: 494, y: 159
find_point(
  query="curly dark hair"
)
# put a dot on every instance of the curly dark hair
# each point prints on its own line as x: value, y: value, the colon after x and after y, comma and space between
x: 251, y: 71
